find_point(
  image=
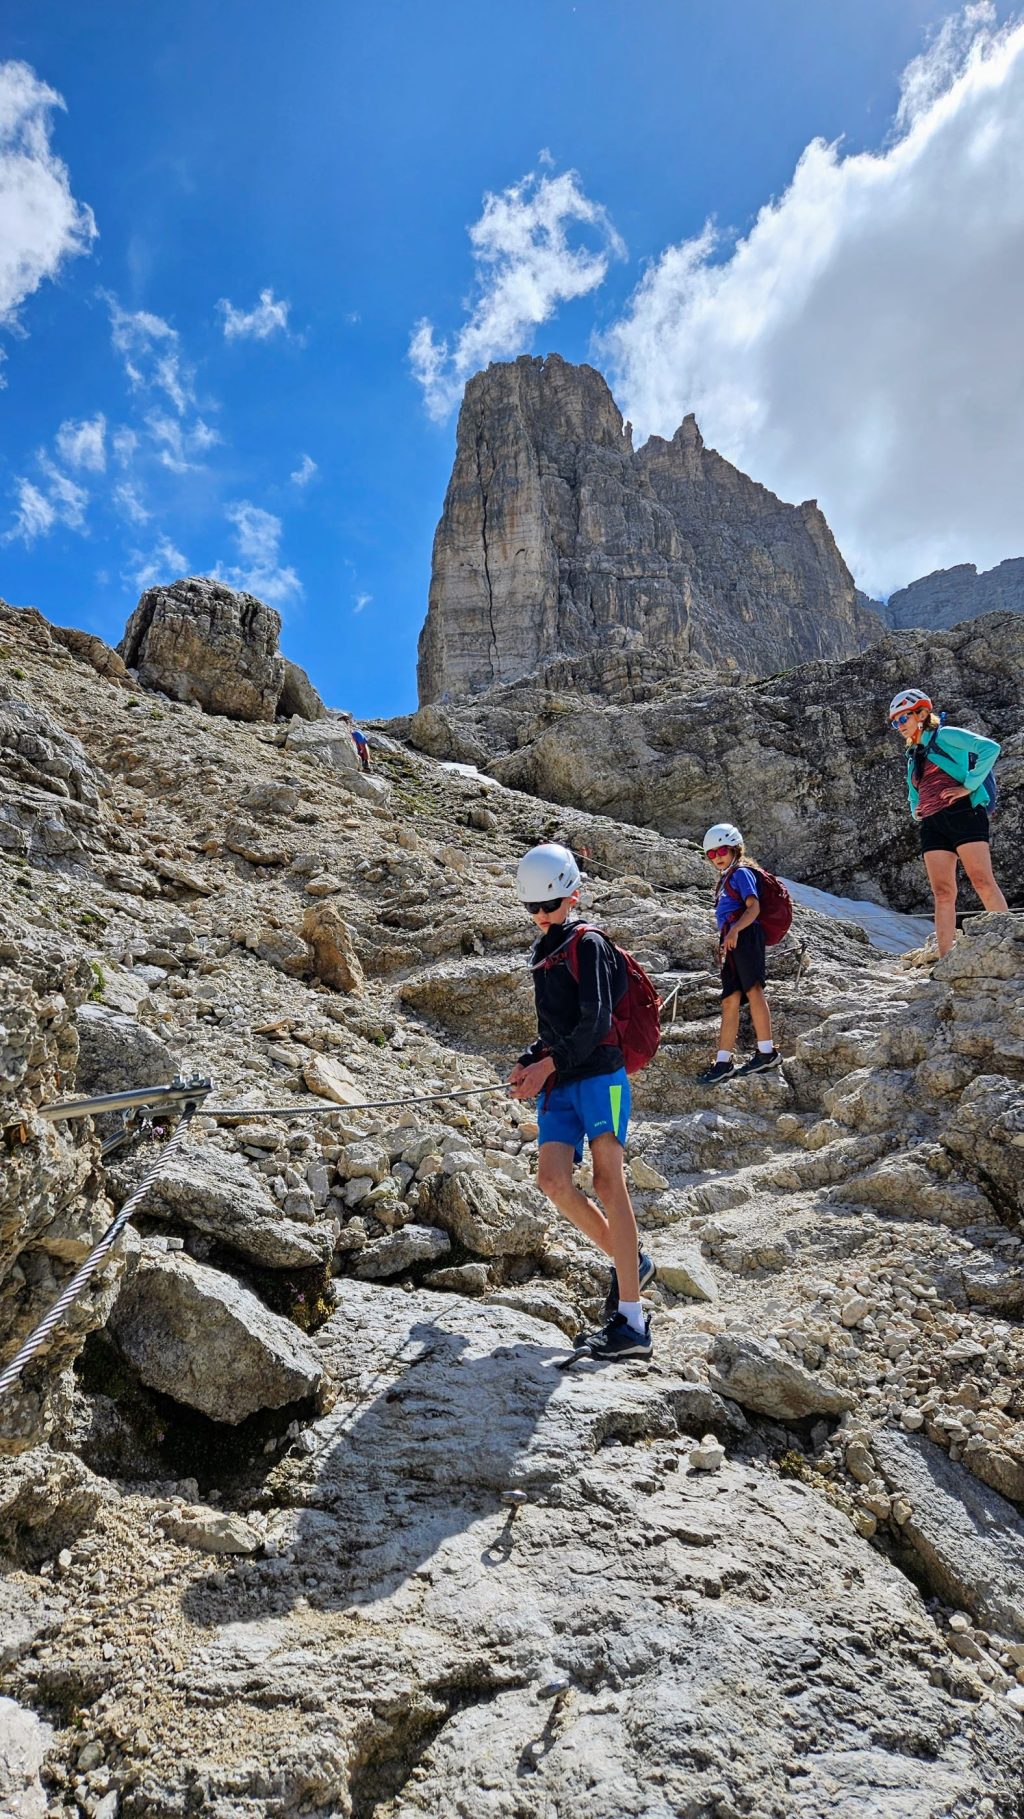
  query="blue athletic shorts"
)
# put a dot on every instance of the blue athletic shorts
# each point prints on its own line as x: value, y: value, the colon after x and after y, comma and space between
x: 586, y: 1108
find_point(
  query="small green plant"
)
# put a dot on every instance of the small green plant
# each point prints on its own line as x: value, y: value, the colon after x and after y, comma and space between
x: 99, y: 982
x: 19, y: 675
x: 92, y: 919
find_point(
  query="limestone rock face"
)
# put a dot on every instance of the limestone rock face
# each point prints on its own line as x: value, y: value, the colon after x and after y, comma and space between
x: 949, y: 595
x: 558, y: 537
x: 803, y: 762
x: 52, y: 809
x: 51, y: 1210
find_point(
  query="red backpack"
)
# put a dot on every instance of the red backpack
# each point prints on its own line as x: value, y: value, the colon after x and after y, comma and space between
x: 776, y: 915
x: 636, y: 1020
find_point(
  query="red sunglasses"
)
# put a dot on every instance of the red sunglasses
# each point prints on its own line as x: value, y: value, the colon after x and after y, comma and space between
x: 717, y: 852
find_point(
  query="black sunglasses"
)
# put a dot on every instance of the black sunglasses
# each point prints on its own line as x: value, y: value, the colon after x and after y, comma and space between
x: 549, y: 908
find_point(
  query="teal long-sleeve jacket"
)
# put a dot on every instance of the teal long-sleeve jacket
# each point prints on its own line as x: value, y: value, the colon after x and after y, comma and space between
x: 965, y: 756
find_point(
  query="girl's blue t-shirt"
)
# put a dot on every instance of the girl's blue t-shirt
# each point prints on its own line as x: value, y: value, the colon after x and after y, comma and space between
x: 731, y: 899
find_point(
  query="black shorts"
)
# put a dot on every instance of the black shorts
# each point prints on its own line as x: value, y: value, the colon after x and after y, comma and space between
x: 951, y: 828
x: 744, y: 966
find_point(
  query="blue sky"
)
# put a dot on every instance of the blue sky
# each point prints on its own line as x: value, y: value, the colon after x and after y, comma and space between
x: 218, y: 378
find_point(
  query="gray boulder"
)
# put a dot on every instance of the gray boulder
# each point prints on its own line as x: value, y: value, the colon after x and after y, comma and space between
x: 115, y: 1053
x: 759, y: 1375
x: 202, y: 642
x: 52, y: 799
x: 491, y: 1216
x: 198, y: 1336
x: 217, y: 1194
x: 398, y: 1251
x: 298, y: 696
x: 328, y: 740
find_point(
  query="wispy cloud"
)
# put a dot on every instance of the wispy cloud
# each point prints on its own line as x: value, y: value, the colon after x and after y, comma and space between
x: 83, y: 444
x: 362, y: 602
x: 39, y: 509
x: 163, y: 563
x: 303, y: 474
x: 123, y: 443
x: 268, y: 317
x: 178, y: 444
x: 151, y: 352
x: 126, y: 502
x: 36, y: 514
x: 525, y: 266
x: 41, y: 223
x: 862, y: 343
x: 259, y: 569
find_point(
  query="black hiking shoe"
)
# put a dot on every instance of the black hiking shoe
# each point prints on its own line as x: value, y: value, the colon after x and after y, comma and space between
x: 760, y: 1064
x: 713, y: 1076
x: 648, y: 1271
x: 619, y: 1340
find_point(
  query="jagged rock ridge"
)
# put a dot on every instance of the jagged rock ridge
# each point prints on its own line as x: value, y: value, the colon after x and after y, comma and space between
x: 804, y: 762
x: 950, y: 595
x: 557, y: 537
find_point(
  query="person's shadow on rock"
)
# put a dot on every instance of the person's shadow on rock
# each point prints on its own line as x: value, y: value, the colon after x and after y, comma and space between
x: 430, y: 1428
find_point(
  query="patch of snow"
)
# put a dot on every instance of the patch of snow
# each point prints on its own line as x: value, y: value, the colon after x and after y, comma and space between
x: 887, y: 929
x: 470, y: 770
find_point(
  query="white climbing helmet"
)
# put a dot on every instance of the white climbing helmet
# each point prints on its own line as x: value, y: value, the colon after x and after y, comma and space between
x: 722, y: 834
x: 908, y: 698
x: 546, y: 872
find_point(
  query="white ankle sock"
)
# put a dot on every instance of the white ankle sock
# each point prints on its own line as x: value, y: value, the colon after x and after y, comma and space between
x: 634, y: 1313
x: 766, y: 1048
x: 724, y: 1054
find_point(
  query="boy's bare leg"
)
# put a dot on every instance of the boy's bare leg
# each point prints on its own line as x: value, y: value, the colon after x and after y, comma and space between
x: 760, y: 1015
x: 729, y: 1033
x: 610, y: 1182
x: 554, y: 1178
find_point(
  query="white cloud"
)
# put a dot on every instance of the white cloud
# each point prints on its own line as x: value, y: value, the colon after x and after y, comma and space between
x: 124, y: 443
x: 269, y: 315
x: 163, y: 563
x: 126, y: 501
x: 525, y: 267
x: 41, y: 224
x: 362, y: 602
x: 151, y: 351
x: 259, y: 569
x: 303, y: 474
x: 83, y: 444
x: 36, y: 513
x: 39, y: 510
x: 862, y: 343
x: 178, y: 442
x: 66, y: 496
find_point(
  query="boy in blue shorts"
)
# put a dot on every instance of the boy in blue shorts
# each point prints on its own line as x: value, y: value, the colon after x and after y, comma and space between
x: 577, y: 1076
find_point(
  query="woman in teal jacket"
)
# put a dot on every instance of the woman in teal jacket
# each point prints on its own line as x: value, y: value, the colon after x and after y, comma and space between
x: 948, y: 771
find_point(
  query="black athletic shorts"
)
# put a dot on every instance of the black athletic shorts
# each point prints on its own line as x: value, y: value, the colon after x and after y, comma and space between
x: 744, y: 966
x: 951, y: 828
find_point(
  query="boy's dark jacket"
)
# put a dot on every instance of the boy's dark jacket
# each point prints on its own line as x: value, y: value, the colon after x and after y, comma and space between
x: 574, y: 1019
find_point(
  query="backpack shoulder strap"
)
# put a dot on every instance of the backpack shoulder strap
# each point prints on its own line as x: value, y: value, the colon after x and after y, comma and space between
x: 568, y: 950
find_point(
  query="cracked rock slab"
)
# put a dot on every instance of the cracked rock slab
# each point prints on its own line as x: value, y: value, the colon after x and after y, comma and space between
x: 968, y: 1539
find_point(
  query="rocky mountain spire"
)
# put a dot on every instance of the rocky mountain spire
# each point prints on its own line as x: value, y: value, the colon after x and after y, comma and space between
x: 557, y: 538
